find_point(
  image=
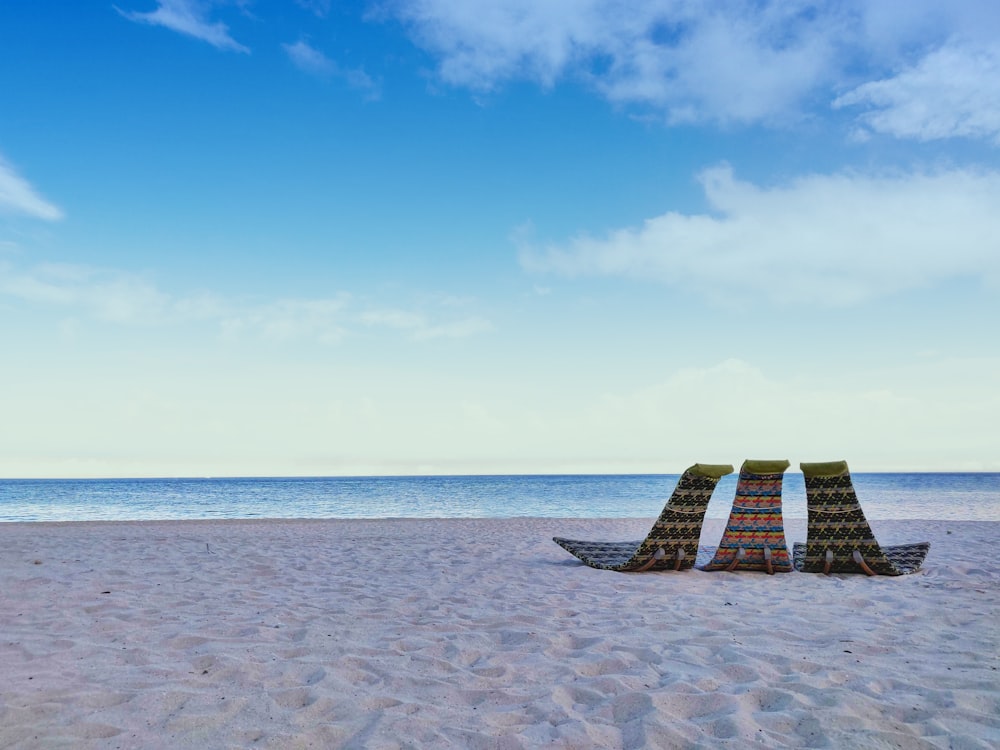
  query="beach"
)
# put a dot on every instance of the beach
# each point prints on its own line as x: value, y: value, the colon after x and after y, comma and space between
x: 470, y: 633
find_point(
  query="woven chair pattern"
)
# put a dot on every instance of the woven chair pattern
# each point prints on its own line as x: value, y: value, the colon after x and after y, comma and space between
x: 678, y: 527
x: 837, y: 524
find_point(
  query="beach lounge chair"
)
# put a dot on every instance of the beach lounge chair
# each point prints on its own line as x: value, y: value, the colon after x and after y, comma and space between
x: 672, y: 543
x: 754, y: 538
x: 839, y: 539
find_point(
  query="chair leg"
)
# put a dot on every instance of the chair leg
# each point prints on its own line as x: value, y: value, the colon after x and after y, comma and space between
x: 740, y: 554
x: 827, y: 562
x: 860, y: 560
x: 767, y: 561
x: 656, y: 557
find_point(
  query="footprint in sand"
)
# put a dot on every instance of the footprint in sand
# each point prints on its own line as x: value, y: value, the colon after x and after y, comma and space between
x: 96, y: 731
x: 295, y: 698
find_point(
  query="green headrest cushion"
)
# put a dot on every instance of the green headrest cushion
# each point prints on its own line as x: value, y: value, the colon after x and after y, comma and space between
x: 710, y: 470
x: 827, y: 469
x: 765, y: 467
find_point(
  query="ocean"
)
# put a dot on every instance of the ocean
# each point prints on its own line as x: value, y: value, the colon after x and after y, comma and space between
x: 970, y: 496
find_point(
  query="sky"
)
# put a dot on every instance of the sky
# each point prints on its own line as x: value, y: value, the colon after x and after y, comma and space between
x: 311, y: 237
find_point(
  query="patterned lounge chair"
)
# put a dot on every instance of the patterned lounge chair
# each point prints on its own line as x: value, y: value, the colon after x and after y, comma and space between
x: 839, y: 539
x: 754, y: 538
x: 672, y: 543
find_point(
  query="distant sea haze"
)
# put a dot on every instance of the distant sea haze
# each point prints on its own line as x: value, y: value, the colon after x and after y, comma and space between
x: 970, y: 496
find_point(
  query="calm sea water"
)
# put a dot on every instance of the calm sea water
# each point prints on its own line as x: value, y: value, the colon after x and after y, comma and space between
x: 886, y: 496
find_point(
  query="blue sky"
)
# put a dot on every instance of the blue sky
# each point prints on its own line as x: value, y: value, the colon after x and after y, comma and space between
x: 309, y: 237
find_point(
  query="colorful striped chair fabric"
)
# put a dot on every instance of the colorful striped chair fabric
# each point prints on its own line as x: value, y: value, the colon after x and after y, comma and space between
x: 754, y: 538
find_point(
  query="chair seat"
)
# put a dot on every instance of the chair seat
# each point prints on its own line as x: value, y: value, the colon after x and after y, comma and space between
x: 902, y: 559
x: 615, y: 555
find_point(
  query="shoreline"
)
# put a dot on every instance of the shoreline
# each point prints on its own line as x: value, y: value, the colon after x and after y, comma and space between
x: 712, y: 525
x: 480, y: 633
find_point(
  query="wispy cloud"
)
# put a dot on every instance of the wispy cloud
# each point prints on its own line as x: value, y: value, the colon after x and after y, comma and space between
x: 313, y: 61
x: 17, y: 196
x: 187, y: 17
x: 105, y: 295
x: 952, y: 92
x: 421, y: 328
x: 735, y: 61
x: 309, y: 59
x: 823, y: 239
x: 127, y: 298
x: 321, y: 320
x: 319, y: 7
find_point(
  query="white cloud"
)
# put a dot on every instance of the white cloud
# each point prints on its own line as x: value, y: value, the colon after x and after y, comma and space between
x: 896, y: 30
x: 954, y: 91
x: 421, y: 329
x: 741, y: 61
x: 17, y: 196
x: 393, y: 319
x: 187, y: 17
x: 737, y: 61
x: 458, y: 329
x: 910, y: 417
x: 826, y: 239
x: 740, y: 65
x: 111, y: 296
x: 322, y: 320
x: 319, y: 7
x: 128, y: 298
x: 248, y: 414
x: 311, y: 60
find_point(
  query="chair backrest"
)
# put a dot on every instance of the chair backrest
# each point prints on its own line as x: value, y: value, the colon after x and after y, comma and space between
x: 837, y: 523
x: 679, y: 523
x: 755, y: 522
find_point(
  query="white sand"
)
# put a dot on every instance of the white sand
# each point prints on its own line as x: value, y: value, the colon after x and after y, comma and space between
x: 480, y: 634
